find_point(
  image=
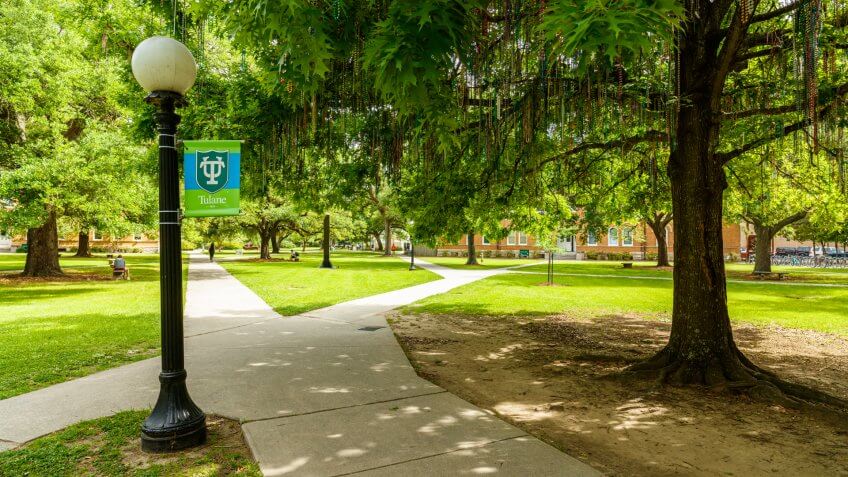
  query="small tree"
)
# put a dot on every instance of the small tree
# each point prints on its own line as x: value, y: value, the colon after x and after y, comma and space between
x: 263, y: 217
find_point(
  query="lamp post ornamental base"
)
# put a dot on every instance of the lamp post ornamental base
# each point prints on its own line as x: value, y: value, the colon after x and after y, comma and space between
x: 176, y: 423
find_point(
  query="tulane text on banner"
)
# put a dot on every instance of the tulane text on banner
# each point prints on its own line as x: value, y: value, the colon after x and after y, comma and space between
x: 212, y: 178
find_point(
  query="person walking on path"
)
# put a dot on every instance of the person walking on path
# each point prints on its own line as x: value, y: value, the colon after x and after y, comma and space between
x: 212, y: 251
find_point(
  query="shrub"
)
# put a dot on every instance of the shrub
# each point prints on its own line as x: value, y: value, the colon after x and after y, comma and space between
x: 232, y: 245
x: 592, y: 255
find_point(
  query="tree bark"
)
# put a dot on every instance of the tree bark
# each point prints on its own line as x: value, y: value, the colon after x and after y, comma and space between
x: 325, y: 243
x: 379, y: 241
x: 762, y: 249
x: 658, y: 227
x: 42, y: 258
x: 83, y: 245
x: 388, y: 247
x: 264, y: 240
x: 472, y: 250
x: 762, y: 257
x: 275, y: 242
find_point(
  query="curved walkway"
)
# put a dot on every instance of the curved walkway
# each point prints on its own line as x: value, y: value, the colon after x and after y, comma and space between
x: 328, y: 392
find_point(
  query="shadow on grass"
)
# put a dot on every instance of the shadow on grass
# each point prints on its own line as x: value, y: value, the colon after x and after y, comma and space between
x: 9, y: 295
x: 41, y: 351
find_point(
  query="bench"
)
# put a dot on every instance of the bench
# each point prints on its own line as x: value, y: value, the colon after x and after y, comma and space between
x: 627, y: 264
x: 768, y: 275
x: 119, y: 273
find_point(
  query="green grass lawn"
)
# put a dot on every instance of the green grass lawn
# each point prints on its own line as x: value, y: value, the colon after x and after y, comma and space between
x: 815, y: 308
x: 110, y: 447
x: 459, y: 262
x: 52, y: 331
x: 295, y: 287
x: 735, y: 271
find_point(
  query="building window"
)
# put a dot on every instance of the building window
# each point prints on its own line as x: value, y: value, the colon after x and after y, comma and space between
x: 137, y: 237
x: 627, y: 237
x: 510, y: 240
x: 612, y: 237
x: 485, y: 241
x: 522, y: 238
x: 97, y: 235
x: 591, y: 239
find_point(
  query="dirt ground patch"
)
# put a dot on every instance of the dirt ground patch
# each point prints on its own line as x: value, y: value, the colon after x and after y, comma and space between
x: 560, y: 379
x: 15, y: 278
x: 222, y: 434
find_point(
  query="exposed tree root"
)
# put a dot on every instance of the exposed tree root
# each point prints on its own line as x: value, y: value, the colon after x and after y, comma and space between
x: 733, y: 372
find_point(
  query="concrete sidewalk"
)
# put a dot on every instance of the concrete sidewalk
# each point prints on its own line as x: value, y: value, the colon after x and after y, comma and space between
x: 329, y: 392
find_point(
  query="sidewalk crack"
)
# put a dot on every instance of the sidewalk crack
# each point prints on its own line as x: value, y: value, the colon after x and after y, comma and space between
x: 451, y: 451
x: 340, y: 408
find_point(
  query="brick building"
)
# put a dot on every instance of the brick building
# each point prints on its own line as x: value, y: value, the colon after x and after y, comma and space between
x: 98, y: 241
x: 637, y: 240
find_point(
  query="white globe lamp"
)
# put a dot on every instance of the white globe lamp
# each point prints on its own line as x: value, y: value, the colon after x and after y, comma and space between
x: 160, y: 63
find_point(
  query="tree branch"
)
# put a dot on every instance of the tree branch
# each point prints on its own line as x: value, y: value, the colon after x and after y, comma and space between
x: 627, y: 142
x: 776, y: 12
x: 732, y: 43
x: 789, y: 221
x: 789, y: 108
x: 725, y: 157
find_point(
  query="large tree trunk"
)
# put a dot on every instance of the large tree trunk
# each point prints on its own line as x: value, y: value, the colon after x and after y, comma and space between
x: 42, y: 258
x: 658, y: 227
x: 325, y: 243
x: 83, y: 247
x: 762, y: 250
x: 379, y: 241
x: 388, y: 248
x: 264, y: 241
x: 472, y: 251
x: 275, y: 242
x: 701, y: 348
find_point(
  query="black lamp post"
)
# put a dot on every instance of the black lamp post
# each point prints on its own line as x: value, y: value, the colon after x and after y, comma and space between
x: 166, y: 69
x: 411, y: 248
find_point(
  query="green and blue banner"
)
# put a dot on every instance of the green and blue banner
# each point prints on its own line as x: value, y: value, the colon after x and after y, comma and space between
x: 212, y: 178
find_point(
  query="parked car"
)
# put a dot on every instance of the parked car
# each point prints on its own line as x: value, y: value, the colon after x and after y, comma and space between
x: 793, y: 252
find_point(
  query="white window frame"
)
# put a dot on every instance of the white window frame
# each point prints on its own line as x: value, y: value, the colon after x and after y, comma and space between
x: 612, y: 237
x: 97, y: 235
x: 667, y: 235
x: 591, y: 239
x: 484, y: 240
x: 520, y: 236
x: 510, y: 239
x: 625, y: 233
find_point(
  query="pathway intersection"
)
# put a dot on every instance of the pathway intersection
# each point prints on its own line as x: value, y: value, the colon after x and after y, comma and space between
x: 328, y: 392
